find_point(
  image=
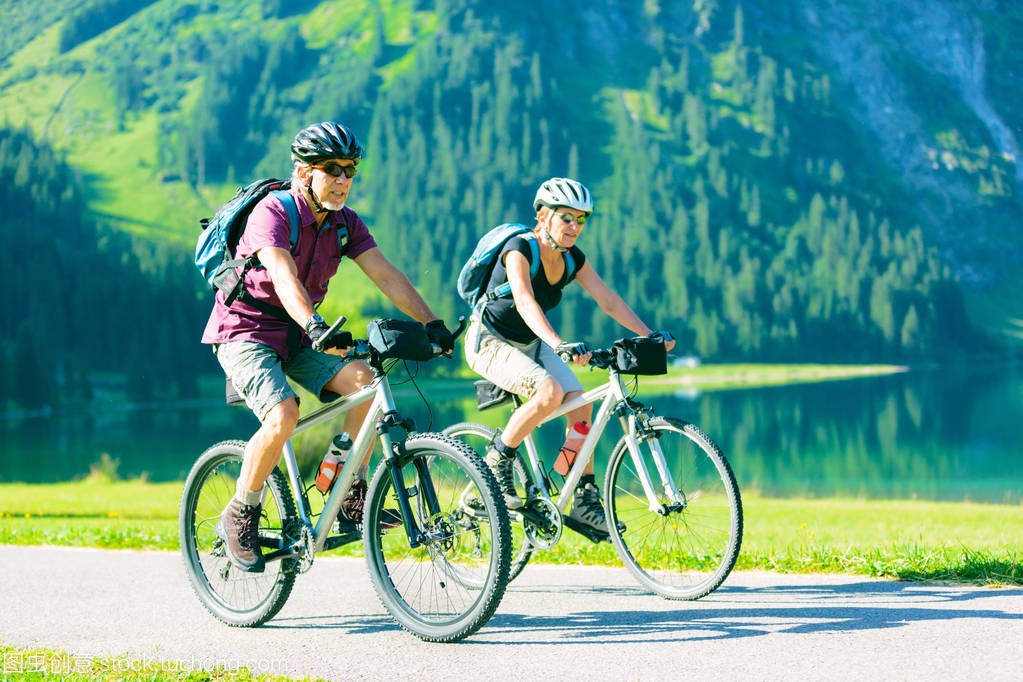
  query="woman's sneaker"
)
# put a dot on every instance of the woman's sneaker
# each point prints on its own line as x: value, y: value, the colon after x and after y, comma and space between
x: 355, y: 502
x: 238, y: 527
x: 501, y: 465
x: 587, y: 509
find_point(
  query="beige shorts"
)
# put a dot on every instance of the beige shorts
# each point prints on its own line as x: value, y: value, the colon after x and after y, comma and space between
x: 516, y: 367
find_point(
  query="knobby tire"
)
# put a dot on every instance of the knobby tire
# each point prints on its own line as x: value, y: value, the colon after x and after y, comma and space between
x: 233, y: 596
x: 687, y: 552
x: 449, y: 586
x: 479, y: 437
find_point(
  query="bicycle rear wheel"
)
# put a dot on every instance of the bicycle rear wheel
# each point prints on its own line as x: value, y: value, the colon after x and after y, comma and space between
x: 479, y: 437
x: 233, y: 596
x: 449, y: 586
x: 680, y: 551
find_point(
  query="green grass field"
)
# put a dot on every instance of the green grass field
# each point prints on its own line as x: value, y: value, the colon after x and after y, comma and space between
x: 899, y: 539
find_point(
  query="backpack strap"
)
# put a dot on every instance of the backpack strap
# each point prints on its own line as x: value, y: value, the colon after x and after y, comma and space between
x: 534, y: 250
x: 504, y: 289
x: 569, y: 267
x: 288, y: 201
x: 291, y: 208
x: 342, y: 238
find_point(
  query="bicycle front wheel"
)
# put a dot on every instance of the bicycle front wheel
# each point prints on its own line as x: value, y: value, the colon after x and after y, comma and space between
x: 479, y: 437
x: 449, y: 585
x: 686, y: 547
x: 230, y: 594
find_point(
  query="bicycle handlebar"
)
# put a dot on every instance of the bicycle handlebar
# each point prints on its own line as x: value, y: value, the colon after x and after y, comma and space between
x: 459, y: 330
x: 361, y: 348
x: 603, y: 358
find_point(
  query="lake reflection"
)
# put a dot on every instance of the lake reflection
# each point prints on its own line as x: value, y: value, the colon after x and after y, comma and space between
x: 935, y: 434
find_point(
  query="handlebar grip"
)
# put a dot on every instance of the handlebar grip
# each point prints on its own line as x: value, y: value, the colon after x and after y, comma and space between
x: 459, y: 330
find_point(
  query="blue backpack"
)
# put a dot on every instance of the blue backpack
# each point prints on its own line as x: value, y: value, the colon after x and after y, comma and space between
x: 214, y: 250
x: 475, y: 274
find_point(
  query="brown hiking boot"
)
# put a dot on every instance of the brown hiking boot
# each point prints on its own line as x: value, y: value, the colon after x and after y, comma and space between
x: 239, y: 529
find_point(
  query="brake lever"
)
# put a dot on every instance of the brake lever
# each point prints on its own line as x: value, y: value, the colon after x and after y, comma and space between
x: 318, y: 345
x: 462, y: 324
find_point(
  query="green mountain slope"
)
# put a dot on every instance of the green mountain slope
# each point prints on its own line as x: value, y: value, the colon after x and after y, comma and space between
x: 773, y: 180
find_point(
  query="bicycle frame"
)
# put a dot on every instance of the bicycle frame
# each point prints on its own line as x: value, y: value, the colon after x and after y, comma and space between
x: 381, y: 421
x: 613, y: 400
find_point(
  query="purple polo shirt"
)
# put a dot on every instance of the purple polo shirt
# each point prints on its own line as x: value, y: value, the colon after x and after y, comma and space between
x: 317, y: 256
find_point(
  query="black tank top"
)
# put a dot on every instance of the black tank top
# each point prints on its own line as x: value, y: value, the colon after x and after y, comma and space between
x: 501, y: 315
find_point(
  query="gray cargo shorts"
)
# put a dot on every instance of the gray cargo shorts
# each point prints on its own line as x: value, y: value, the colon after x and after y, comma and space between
x: 261, y: 377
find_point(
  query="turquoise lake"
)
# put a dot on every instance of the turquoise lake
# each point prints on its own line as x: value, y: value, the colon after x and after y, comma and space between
x: 936, y: 434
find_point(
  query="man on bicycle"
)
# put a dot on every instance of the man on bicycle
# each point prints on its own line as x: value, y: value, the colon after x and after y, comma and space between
x: 260, y: 350
x: 511, y: 342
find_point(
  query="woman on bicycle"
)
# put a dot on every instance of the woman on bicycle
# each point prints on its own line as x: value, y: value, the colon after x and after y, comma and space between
x: 511, y: 343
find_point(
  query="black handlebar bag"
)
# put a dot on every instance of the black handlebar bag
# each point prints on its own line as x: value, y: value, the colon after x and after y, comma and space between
x: 641, y: 355
x: 401, y: 339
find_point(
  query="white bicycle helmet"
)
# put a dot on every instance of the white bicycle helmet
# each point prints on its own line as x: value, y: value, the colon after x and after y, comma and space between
x: 563, y: 192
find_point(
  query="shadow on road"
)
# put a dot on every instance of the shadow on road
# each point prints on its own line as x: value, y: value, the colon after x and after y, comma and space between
x: 734, y: 612
x: 730, y: 612
x: 352, y: 624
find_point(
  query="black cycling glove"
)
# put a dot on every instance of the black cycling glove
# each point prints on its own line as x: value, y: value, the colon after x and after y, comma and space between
x: 571, y: 350
x: 339, y: 339
x: 439, y: 334
x: 664, y: 335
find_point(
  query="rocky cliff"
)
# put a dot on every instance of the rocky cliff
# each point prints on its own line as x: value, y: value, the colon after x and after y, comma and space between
x: 887, y: 52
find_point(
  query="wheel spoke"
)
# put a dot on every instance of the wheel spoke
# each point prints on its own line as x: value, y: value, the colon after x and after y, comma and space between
x: 688, y: 552
x: 447, y: 587
x: 230, y: 594
x: 478, y: 437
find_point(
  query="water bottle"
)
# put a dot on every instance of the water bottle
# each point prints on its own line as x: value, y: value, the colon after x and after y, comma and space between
x: 574, y: 441
x: 332, y: 462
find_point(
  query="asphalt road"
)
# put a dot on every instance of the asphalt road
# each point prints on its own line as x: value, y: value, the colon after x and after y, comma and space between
x: 555, y: 622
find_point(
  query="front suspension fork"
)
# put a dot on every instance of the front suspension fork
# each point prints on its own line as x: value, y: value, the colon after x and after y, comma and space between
x: 393, y: 433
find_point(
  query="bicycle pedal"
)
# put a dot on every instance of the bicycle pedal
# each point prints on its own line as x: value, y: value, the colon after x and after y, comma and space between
x: 343, y: 538
x: 474, y: 508
x: 346, y: 527
x: 592, y: 534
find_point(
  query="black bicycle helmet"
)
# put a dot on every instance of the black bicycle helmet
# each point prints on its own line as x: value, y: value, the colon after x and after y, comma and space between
x: 327, y: 140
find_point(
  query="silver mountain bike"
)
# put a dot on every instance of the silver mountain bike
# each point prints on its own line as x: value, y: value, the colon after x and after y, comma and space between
x: 441, y: 573
x: 673, y: 507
